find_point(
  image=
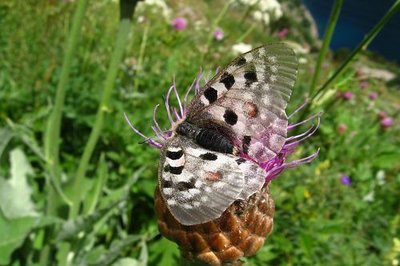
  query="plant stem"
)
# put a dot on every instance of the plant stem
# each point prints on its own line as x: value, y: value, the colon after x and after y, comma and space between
x: 326, y: 42
x: 53, y: 128
x: 214, y: 25
x: 77, y: 188
x: 362, y: 45
x: 139, y: 66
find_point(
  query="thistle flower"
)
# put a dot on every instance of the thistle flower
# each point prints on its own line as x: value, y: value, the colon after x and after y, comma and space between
x: 348, y: 95
x: 242, y: 228
x: 363, y: 84
x: 218, y: 35
x: 386, y: 122
x: 372, y: 95
x: 179, y: 23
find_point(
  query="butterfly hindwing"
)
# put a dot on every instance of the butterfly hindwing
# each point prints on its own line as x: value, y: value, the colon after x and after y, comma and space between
x: 248, y: 100
x: 198, y: 185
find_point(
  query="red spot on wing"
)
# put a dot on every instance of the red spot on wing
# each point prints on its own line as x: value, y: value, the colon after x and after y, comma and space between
x: 213, y: 176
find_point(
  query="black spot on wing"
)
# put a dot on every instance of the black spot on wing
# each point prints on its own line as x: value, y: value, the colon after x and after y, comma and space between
x: 240, y: 161
x: 240, y: 61
x: 250, y: 76
x: 228, y: 80
x: 181, y: 186
x: 209, y: 156
x: 230, y: 117
x: 245, y: 145
x: 166, y: 184
x: 173, y: 170
x: 211, y: 94
x: 174, y: 155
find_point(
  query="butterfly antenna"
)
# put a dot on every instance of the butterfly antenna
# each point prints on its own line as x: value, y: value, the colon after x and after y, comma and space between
x: 167, y: 106
x: 177, y: 97
x: 147, y: 139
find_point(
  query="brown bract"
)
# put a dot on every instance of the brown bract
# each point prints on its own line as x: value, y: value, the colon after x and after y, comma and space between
x: 239, y: 232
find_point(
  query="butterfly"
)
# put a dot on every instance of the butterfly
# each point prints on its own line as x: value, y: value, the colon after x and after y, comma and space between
x: 234, y: 123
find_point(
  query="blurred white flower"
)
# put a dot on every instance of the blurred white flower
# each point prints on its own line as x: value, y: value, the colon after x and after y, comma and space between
x: 380, y: 177
x: 241, y: 48
x: 265, y: 10
x: 155, y: 6
x: 369, y: 197
x: 303, y: 60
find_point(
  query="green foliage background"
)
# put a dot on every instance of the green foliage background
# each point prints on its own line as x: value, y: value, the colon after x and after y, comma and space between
x: 318, y: 220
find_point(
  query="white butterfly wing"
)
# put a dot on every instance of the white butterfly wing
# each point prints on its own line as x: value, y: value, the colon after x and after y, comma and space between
x: 199, y: 185
x: 248, y: 100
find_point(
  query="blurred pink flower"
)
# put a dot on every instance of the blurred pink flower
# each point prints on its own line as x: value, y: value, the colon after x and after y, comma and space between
x: 363, y: 84
x: 341, y: 128
x: 282, y: 33
x: 179, y: 23
x: 348, y: 95
x: 218, y: 35
x: 386, y: 122
x: 345, y: 180
x: 372, y: 95
x: 382, y: 115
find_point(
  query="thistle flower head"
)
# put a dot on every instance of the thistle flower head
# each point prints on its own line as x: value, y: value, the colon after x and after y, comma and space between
x: 272, y: 167
x: 179, y: 23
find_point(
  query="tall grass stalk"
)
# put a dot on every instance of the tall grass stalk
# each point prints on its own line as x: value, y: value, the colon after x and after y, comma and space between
x: 326, y: 42
x: 77, y: 188
x: 53, y: 128
x: 361, y: 46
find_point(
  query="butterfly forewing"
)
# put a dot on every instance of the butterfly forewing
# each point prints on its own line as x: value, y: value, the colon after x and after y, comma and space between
x: 199, y: 185
x: 248, y: 100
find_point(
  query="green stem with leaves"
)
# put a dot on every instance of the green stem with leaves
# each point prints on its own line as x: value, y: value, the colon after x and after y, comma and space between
x: 361, y: 46
x: 77, y: 188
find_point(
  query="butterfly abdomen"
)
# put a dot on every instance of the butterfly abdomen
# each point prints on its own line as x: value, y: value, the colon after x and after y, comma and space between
x: 207, y: 138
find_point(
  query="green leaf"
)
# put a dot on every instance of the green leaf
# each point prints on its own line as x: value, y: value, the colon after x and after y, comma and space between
x: 116, y: 248
x: 15, y: 192
x: 164, y: 252
x: 386, y: 160
x: 14, y: 231
x: 5, y: 137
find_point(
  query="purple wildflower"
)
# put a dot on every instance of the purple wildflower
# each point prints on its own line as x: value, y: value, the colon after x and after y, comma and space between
x: 282, y: 33
x: 218, y: 35
x: 363, y: 84
x: 179, y: 23
x: 386, y: 122
x: 348, y: 95
x: 272, y: 167
x: 372, y: 95
x: 345, y: 180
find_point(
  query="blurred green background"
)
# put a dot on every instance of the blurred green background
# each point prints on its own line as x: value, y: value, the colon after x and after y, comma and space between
x: 76, y: 185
